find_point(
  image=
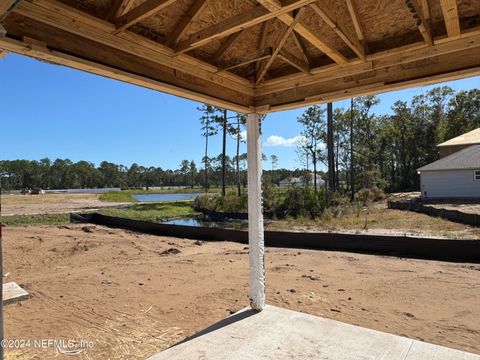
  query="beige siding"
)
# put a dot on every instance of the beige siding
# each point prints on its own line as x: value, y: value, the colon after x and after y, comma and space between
x: 449, y: 184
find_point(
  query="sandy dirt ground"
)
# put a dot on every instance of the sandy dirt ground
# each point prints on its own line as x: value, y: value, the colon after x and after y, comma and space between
x: 51, y: 203
x: 133, y: 294
x: 472, y: 206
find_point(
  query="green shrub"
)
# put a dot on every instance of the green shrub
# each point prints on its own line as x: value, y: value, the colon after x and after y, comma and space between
x: 300, y: 201
x: 231, y: 203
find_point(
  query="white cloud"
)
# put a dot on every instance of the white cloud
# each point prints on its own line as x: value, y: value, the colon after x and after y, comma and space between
x: 243, y: 135
x: 275, y: 140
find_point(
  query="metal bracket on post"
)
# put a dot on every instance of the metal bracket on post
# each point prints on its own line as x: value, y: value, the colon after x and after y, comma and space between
x: 255, y: 216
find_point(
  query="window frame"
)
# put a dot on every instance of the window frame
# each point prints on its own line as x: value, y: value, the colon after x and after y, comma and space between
x: 476, y: 175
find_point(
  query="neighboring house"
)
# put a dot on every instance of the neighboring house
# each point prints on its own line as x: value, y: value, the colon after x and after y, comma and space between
x: 453, y: 176
x: 300, y: 181
x: 459, y: 143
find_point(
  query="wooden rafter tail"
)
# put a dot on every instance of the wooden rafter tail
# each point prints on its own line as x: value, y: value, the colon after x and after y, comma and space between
x: 281, y: 42
x: 245, y: 20
x: 320, y: 43
x: 226, y: 45
x: 294, y: 61
x: 251, y: 58
x: 192, y: 13
x: 142, y: 11
x: 119, y: 8
x: 450, y: 15
x: 352, y: 9
x: 326, y: 15
x: 420, y: 21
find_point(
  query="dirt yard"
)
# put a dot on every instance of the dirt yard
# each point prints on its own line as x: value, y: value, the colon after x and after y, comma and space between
x: 51, y: 203
x: 134, y: 295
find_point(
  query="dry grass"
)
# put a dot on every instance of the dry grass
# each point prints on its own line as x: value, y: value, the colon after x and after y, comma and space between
x: 379, y: 218
x: 45, y: 198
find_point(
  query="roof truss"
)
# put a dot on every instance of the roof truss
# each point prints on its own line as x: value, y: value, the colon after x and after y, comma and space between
x: 56, y: 32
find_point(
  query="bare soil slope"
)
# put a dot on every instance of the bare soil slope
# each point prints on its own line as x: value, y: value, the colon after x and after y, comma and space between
x: 134, y: 295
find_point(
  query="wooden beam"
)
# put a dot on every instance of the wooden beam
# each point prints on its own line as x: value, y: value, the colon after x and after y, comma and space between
x: 262, y: 42
x: 303, y: 30
x: 328, y: 17
x: 6, y: 6
x: 119, y: 8
x: 281, y: 42
x: 3, y: 54
x: 420, y: 21
x: 192, y: 13
x: 256, y: 56
x: 352, y: 9
x: 302, y: 47
x: 114, y: 72
x: 250, y: 18
x: 142, y: 11
x: 405, y: 55
x: 450, y: 15
x: 442, y: 65
x: 294, y: 61
x: 226, y: 45
x: 61, y: 16
x: 425, y: 9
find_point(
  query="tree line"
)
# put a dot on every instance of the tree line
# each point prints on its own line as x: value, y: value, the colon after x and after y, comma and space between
x: 368, y: 150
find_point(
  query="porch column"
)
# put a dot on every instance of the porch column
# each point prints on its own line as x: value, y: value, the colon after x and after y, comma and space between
x: 255, y: 216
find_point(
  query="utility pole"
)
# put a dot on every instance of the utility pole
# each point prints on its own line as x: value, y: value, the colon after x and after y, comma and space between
x: 330, y: 149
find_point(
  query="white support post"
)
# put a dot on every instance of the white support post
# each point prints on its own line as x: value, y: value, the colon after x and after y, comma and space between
x: 255, y: 216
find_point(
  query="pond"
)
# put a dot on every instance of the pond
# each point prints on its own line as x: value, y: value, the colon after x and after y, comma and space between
x: 210, y: 223
x: 165, y: 197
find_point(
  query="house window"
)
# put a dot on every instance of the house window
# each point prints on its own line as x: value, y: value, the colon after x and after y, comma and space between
x: 476, y: 175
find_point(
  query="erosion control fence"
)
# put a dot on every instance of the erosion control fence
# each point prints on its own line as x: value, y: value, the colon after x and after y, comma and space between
x: 400, y: 246
x: 453, y: 215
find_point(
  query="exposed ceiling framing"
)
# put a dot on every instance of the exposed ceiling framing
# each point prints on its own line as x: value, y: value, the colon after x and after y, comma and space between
x: 268, y: 55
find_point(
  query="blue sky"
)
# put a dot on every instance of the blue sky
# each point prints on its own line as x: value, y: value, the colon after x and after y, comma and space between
x: 57, y: 112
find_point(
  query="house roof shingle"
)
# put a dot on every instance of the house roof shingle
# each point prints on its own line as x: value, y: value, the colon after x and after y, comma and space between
x: 465, y: 159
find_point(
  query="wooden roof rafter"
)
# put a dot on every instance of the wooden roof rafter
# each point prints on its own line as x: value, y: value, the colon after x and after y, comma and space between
x: 250, y: 58
x: 192, y: 14
x: 352, y: 9
x: 298, y: 40
x: 245, y: 20
x: 250, y: 75
x: 142, y: 11
x: 119, y: 8
x: 337, y: 26
x: 294, y: 61
x: 421, y: 23
x: 450, y: 15
x: 278, y: 47
x: 306, y: 32
x: 226, y: 45
x: 262, y: 41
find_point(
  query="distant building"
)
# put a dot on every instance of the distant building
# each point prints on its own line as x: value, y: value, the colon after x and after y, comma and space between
x: 459, y: 143
x: 300, y: 181
x: 453, y: 176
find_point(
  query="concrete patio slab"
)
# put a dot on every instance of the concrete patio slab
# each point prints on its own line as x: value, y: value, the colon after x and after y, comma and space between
x: 277, y: 333
x: 13, y: 293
